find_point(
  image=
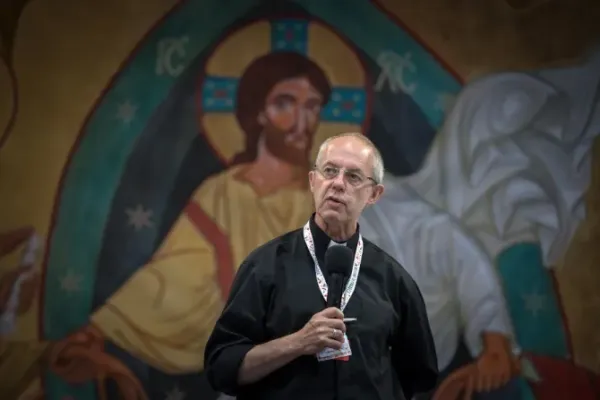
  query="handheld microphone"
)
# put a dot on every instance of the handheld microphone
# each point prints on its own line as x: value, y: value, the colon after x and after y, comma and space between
x: 338, y: 261
x: 338, y: 264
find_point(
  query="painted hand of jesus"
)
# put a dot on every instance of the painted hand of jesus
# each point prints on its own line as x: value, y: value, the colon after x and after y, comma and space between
x: 493, y: 369
x: 81, y: 358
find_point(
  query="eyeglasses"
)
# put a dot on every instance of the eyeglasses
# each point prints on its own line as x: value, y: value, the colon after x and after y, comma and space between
x: 353, y: 177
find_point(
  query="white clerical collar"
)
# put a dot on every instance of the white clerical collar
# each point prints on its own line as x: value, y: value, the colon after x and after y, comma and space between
x: 334, y: 243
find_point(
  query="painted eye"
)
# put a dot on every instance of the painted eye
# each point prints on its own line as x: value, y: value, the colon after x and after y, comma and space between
x: 284, y: 104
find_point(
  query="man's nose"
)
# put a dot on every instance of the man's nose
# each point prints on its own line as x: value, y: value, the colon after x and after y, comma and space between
x: 339, y: 182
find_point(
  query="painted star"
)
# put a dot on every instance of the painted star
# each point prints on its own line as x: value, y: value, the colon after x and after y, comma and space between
x: 534, y: 302
x: 139, y: 217
x: 126, y: 112
x: 71, y: 282
x: 175, y: 394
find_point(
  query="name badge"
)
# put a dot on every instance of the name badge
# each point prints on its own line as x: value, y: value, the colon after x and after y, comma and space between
x: 342, y: 354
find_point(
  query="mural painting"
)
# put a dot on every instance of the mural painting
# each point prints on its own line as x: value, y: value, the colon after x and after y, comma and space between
x: 198, y: 151
x: 486, y: 219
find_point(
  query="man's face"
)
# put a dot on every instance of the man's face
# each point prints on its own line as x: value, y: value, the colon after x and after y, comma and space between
x: 341, y: 198
x: 290, y: 119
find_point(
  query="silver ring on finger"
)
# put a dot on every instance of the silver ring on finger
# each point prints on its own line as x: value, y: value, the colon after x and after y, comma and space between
x: 334, y: 334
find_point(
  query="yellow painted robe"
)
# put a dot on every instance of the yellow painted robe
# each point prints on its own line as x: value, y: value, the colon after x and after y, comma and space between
x: 166, y: 311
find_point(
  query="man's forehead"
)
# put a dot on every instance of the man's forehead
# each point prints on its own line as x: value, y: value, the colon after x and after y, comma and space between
x: 351, y: 151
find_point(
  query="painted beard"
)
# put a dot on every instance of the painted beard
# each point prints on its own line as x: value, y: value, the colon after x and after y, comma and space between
x: 288, y: 147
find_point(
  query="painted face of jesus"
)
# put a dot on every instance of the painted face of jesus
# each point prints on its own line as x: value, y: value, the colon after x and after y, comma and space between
x: 290, y: 119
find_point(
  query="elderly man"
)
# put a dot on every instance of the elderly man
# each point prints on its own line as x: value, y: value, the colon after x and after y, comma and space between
x: 270, y: 341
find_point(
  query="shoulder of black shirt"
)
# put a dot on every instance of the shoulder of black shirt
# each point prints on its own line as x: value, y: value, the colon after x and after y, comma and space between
x: 286, y: 243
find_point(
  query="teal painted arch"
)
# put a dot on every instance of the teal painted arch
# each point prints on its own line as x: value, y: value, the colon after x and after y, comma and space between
x: 109, y: 135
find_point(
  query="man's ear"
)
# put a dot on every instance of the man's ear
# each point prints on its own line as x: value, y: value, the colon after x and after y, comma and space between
x: 376, y: 194
x: 311, y: 180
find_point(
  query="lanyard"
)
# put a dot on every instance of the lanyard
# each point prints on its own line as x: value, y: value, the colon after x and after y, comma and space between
x: 321, y: 282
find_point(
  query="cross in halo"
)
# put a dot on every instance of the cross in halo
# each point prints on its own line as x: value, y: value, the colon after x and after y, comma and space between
x: 346, y: 104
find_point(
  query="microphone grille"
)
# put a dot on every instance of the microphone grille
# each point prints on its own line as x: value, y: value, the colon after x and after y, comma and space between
x: 339, y: 259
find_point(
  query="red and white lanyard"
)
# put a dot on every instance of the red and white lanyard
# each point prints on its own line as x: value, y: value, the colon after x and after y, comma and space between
x: 351, y: 285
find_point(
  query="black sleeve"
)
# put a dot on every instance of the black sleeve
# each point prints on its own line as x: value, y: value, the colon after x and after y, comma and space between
x: 413, y: 350
x: 240, y: 327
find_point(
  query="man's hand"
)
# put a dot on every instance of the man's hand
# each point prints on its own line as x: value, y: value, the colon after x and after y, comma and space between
x: 324, y: 330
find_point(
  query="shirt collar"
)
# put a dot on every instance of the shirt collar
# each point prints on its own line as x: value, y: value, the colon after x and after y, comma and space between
x: 323, y: 241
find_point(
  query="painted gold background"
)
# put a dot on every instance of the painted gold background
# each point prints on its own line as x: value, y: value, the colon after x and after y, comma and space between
x: 65, y: 52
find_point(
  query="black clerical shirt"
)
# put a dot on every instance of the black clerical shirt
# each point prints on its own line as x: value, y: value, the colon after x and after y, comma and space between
x: 275, y: 293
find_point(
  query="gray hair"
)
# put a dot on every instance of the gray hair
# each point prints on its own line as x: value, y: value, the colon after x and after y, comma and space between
x: 378, y: 168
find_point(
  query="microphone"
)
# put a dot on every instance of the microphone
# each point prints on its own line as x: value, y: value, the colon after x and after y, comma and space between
x: 338, y: 261
x: 338, y: 264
